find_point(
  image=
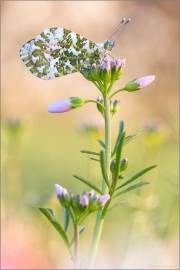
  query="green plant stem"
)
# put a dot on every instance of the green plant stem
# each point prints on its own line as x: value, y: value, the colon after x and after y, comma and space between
x: 122, y: 89
x: 76, y: 246
x: 100, y: 219
x: 95, y: 101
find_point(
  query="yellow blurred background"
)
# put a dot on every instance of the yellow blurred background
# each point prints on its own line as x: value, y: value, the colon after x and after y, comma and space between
x: 40, y: 149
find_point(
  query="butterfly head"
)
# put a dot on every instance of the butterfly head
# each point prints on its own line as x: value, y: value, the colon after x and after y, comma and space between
x: 109, y: 44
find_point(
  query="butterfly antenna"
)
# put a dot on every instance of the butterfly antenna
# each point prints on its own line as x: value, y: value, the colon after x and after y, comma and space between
x: 120, y: 25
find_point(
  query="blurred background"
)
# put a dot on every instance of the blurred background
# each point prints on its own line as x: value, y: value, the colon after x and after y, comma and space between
x: 41, y: 149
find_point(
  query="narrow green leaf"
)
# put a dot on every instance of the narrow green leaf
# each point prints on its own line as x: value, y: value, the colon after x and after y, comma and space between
x: 102, y: 144
x: 117, y: 204
x: 103, y: 169
x: 131, y: 137
x: 66, y: 216
x: 95, y: 159
x: 90, y: 152
x: 136, y: 176
x: 131, y: 188
x: 88, y: 183
x: 121, y: 128
x: 47, y: 212
x: 50, y: 216
x: 82, y: 228
x: 58, y: 227
x: 118, y: 158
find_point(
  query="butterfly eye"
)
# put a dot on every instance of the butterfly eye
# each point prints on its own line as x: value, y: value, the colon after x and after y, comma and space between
x: 106, y: 46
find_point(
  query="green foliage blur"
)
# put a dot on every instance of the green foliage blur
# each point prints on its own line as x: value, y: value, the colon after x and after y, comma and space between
x: 35, y: 158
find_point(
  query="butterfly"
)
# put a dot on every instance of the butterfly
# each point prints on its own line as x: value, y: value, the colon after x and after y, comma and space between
x: 58, y: 51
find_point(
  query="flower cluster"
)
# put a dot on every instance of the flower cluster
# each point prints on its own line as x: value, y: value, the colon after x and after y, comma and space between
x: 108, y: 72
x: 103, y: 76
x: 80, y: 204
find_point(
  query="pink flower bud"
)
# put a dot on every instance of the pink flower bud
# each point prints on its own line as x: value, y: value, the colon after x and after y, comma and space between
x: 139, y: 83
x: 59, y: 189
x: 91, y: 193
x: 123, y: 62
x: 103, y: 199
x: 144, y: 81
x: 65, y: 105
x: 118, y: 63
x: 107, y: 64
x: 84, y: 201
x: 63, y: 196
x: 59, y: 106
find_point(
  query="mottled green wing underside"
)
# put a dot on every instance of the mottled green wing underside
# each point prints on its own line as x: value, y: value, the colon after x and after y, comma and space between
x: 57, y: 52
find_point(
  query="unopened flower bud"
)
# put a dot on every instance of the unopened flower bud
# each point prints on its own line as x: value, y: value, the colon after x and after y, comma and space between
x: 118, y: 64
x: 85, y: 193
x: 103, y: 199
x: 75, y: 203
x: 59, y: 189
x: 124, y: 164
x: 120, y: 68
x: 139, y: 83
x: 106, y: 67
x: 95, y: 72
x: 75, y: 200
x: 100, y: 108
x: 111, y: 106
x: 116, y: 106
x: 93, y: 203
x: 107, y: 64
x: 65, y: 105
x: 117, y: 69
x: 113, y: 166
x: 121, y: 176
x: 123, y: 62
x: 91, y: 193
x: 83, y: 204
x: 63, y: 196
x: 84, y: 201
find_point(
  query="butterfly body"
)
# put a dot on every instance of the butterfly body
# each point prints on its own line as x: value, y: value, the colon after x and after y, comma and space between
x: 58, y: 51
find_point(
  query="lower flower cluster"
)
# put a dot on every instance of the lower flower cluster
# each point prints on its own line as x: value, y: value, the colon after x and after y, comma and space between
x: 80, y: 204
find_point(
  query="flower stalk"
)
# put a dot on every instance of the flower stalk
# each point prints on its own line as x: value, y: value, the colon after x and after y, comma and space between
x: 76, y: 246
x: 100, y: 219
